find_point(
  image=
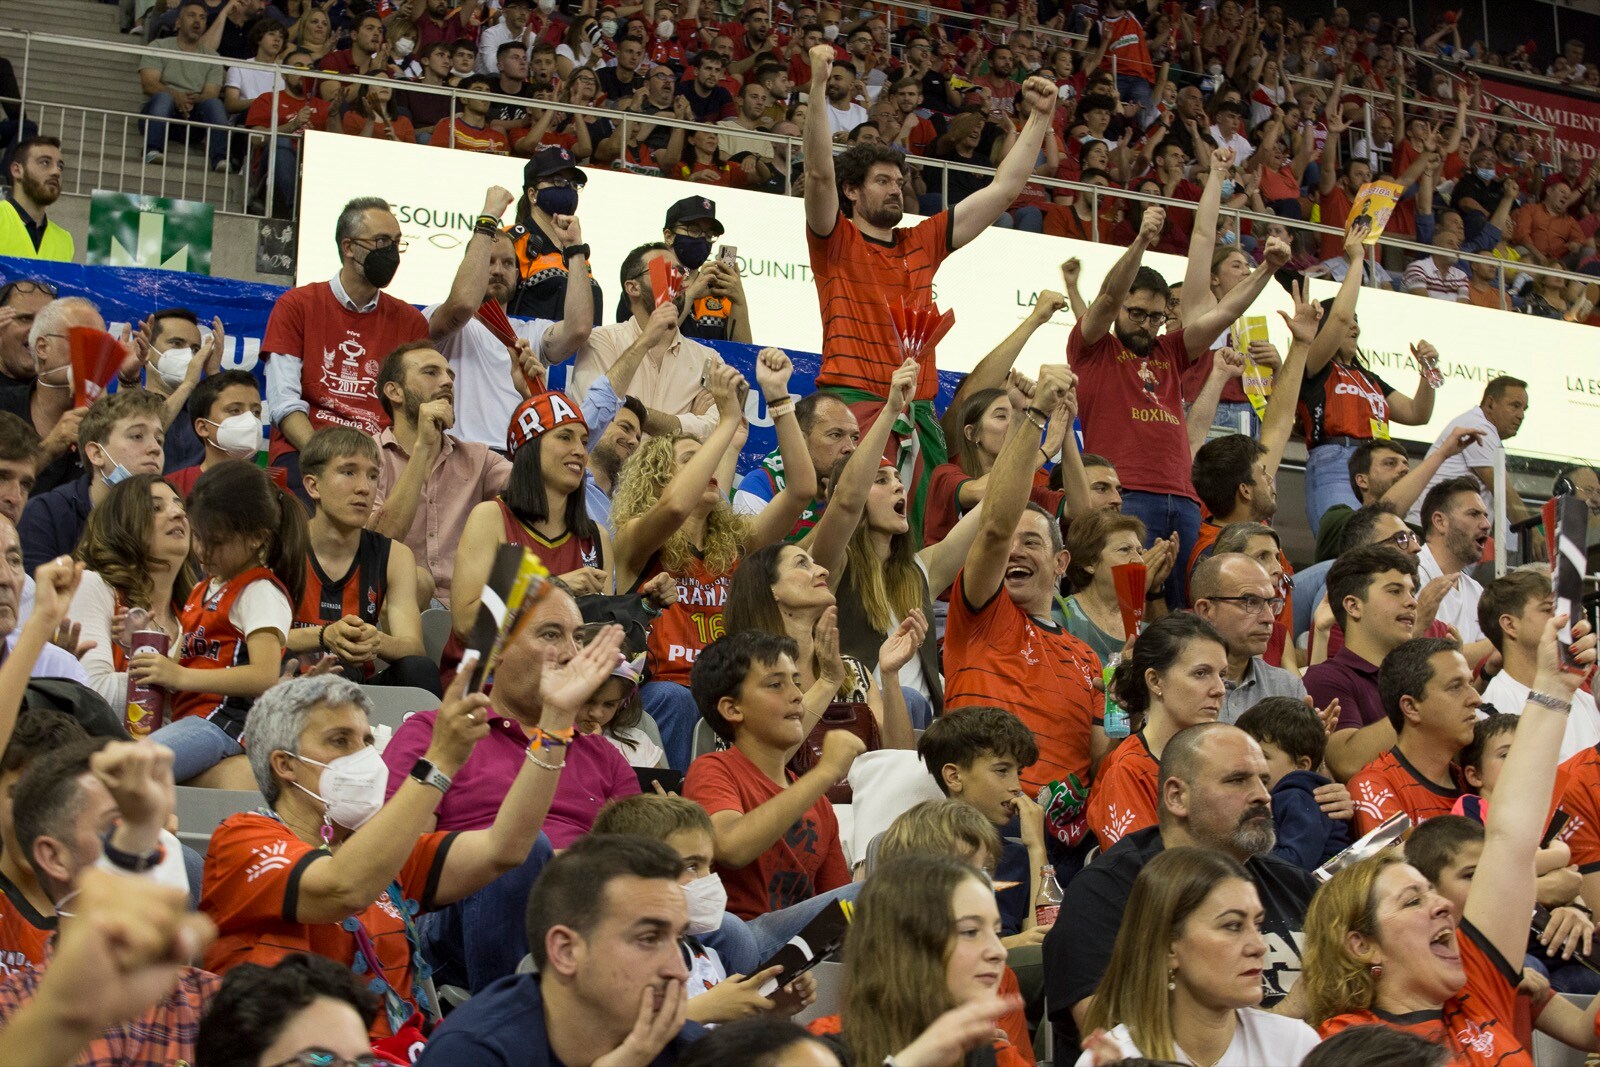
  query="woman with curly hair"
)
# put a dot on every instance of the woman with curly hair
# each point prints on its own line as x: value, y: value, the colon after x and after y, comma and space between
x: 135, y: 551
x: 1383, y: 946
x: 671, y: 516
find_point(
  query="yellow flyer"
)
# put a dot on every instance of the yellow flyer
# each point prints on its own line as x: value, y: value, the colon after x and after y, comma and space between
x: 1376, y: 202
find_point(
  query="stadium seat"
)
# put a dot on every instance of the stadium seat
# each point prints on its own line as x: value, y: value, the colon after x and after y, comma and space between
x: 392, y: 703
x: 201, y: 810
x: 651, y: 730
x: 1548, y: 1052
x: 830, y: 992
x: 705, y: 739
x: 435, y: 632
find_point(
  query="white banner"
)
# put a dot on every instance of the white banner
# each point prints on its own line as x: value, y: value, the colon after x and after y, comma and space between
x: 990, y: 284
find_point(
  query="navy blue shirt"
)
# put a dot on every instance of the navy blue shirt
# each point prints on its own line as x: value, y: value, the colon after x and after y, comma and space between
x: 503, y: 1026
x: 1013, y: 866
x: 53, y: 522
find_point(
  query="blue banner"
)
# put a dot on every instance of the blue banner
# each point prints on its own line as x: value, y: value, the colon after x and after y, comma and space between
x: 130, y: 294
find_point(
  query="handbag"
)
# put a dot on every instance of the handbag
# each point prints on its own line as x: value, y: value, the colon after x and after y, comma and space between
x: 853, y: 715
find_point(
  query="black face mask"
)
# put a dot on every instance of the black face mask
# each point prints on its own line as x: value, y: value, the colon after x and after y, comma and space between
x: 691, y: 251
x: 556, y: 200
x: 380, y: 265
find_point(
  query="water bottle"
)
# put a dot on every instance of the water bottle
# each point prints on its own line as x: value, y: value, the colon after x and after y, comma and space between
x: 1116, y: 718
x: 1048, y: 904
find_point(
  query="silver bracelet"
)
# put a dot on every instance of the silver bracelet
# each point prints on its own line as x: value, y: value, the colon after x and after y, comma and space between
x: 1553, y: 703
x: 537, y: 762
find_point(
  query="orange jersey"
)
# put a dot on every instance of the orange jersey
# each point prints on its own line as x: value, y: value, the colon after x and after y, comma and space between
x: 251, y: 886
x: 211, y: 642
x: 24, y: 933
x: 684, y: 628
x: 997, y: 655
x: 1477, y: 1024
x: 1580, y: 799
x: 858, y: 280
x: 1124, y: 795
x: 1389, y: 785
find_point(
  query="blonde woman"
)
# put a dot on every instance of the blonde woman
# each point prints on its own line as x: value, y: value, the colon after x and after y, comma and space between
x: 1185, y: 975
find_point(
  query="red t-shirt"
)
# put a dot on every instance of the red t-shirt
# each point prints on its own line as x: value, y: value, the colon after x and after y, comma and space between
x: 183, y: 480
x: 1336, y: 205
x: 1124, y: 797
x: 686, y: 626
x: 1389, y: 785
x: 1476, y: 1024
x: 1132, y: 408
x: 944, y: 503
x: 1581, y: 801
x: 340, y: 352
x: 24, y: 933
x: 858, y: 281
x: 1127, y: 44
x: 805, y: 861
x: 260, y: 113
x: 251, y: 891
x: 996, y: 655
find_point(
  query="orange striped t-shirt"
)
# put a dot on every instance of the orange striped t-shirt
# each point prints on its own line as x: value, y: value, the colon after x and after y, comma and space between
x: 858, y: 280
x: 1123, y: 798
x: 1389, y: 785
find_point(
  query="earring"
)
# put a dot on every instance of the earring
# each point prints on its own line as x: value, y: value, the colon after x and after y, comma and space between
x: 1377, y: 970
x: 1172, y: 980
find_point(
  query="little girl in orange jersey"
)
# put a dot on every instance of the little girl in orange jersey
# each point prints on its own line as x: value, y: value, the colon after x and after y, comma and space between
x: 252, y: 542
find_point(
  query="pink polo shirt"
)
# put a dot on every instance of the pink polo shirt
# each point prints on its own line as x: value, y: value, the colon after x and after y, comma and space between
x: 464, y: 475
x: 595, y: 773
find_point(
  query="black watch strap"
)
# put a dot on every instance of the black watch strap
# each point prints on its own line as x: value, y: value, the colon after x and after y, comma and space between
x: 574, y: 250
x: 131, y: 861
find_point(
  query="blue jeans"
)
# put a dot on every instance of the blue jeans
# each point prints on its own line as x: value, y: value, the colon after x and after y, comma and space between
x: 1328, y: 481
x: 1164, y: 515
x: 1027, y: 218
x: 919, y: 708
x: 162, y: 106
x: 1237, y: 416
x: 774, y: 929
x: 673, y: 708
x: 482, y: 937
x: 1131, y: 87
x: 197, y: 746
x: 735, y: 944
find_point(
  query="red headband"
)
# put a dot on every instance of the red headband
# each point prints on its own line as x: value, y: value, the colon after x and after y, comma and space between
x: 539, y: 414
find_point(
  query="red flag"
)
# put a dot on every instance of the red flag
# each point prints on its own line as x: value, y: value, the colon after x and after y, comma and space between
x: 666, y: 281
x: 1130, y: 582
x: 494, y: 319
x: 96, y: 355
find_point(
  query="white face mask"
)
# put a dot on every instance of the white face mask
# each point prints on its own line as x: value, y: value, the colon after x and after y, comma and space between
x: 830, y: 31
x: 239, y: 435
x: 403, y: 47
x: 173, y: 365
x: 664, y: 29
x: 352, y: 786
x: 707, y: 901
x: 608, y: 27
x: 547, y: 6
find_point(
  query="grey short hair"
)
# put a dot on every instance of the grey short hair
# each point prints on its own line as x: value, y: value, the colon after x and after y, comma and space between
x: 52, y: 318
x: 279, y: 716
x: 350, y: 217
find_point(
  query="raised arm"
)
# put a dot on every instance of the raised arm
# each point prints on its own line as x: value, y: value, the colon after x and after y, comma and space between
x: 1198, y: 335
x: 1196, y: 298
x: 642, y: 536
x: 1330, y: 149
x: 1502, y: 893
x: 1010, y: 482
x: 472, y: 277
x: 1227, y: 366
x: 1409, y: 489
x: 848, y: 499
x: 979, y: 210
x: 577, y: 308
x: 993, y: 369
x: 1416, y: 409
x: 821, y: 194
x: 1336, y: 327
x: 1097, y: 319
x: 774, y: 521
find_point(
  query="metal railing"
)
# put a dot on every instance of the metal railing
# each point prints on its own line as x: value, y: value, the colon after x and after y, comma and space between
x: 271, y: 137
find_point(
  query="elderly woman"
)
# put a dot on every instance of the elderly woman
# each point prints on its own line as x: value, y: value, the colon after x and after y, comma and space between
x: 330, y: 867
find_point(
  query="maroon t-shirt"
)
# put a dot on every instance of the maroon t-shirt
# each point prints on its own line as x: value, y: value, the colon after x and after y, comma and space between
x: 1132, y: 409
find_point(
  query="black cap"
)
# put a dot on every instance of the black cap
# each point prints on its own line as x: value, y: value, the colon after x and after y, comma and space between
x: 547, y: 163
x: 693, y: 209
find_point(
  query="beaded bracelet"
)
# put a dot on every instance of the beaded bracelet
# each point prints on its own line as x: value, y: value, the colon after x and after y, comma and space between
x: 537, y: 762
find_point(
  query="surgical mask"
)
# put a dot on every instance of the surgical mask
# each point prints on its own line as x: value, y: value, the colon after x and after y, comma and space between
x: 352, y: 786
x: 173, y: 366
x: 830, y: 31
x: 380, y: 265
x: 708, y: 900
x: 119, y: 473
x: 1229, y: 187
x: 557, y: 200
x: 691, y: 251
x: 1486, y: 173
x: 664, y: 29
x: 608, y: 27
x: 403, y: 47
x: 547, y: 6
x: 238, y: 435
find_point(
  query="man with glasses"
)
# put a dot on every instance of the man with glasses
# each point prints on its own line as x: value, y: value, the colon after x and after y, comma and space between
x: 1236, y: 596
x: 297, y: 112
x: 716, y: 309
x: 325, y: 340
x: 25, y: 229
x: 307, y: 1011
x: 20, y: 301
x: 1132, y: 389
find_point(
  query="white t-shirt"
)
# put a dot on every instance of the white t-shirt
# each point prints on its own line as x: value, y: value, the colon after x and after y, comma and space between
x: 1262, y: 1040
x: 846, y: 120
x: 1479, y: 455
x: 1242, y: 149
x: 1583, y: 724
x: 1460, y: 605
x: 252, y: 83
x: 643, y: 753
x: 485, y: 397
x: 261, y: 606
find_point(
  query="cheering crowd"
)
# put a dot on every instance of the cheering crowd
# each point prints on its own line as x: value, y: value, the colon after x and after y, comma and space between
x: 1029, y: 678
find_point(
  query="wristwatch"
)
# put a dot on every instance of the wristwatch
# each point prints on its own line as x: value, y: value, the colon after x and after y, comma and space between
x: 574, y: 250
x: 132, y: 862
x: 426, y: 773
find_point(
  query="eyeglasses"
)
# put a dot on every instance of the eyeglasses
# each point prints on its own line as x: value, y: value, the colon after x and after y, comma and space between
x: 1403, y: 539
x: 1253, y: 604
x: 1139, y: 317
x: 384, y: 241
x: 321, y: 1057
x: 559, y: 183
x: 26, y: 286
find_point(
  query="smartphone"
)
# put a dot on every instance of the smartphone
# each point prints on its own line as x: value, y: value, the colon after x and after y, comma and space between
x: 729, y: 254
x: 1567, y: 564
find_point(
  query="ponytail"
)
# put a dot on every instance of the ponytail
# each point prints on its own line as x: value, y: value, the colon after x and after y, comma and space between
x: 289, y: 545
